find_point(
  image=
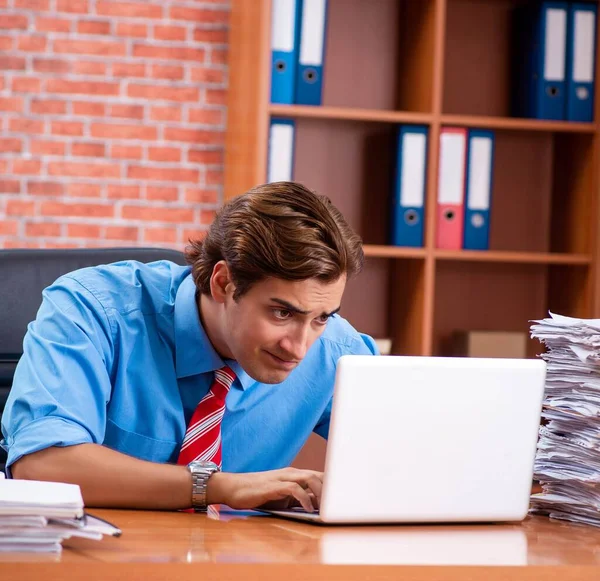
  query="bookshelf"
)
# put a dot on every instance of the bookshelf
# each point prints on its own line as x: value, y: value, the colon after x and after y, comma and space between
x: 437, y: 63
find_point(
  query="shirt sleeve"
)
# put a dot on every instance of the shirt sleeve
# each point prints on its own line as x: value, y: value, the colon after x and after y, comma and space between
x: 62, y: 384
x: 363, y: 346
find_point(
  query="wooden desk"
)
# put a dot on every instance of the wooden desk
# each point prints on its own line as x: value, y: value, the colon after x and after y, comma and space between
x: 247, y: 545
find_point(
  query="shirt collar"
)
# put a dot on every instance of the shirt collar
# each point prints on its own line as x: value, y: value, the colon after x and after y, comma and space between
x: 194, y: 353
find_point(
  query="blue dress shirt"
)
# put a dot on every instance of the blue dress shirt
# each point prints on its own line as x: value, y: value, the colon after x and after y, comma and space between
x: 117, y: 356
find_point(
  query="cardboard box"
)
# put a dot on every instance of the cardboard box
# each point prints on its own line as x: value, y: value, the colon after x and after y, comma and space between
x: 504, y: 344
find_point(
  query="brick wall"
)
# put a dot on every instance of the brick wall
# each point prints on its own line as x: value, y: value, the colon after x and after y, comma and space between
x: 112, y: 118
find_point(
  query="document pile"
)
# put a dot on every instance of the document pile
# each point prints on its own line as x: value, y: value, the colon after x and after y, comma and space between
x: 38, y: 516
x: 567, y: 463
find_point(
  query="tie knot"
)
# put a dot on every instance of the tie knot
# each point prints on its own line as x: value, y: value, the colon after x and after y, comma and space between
x: 224, y: 377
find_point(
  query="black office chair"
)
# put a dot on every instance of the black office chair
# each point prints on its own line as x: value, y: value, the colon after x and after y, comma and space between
x: 25, y: 273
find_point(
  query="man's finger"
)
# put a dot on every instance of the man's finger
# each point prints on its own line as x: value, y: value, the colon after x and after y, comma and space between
x: 295, y: 490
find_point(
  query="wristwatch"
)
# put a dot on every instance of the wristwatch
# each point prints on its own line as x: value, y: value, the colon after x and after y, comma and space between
x: 201, y: 472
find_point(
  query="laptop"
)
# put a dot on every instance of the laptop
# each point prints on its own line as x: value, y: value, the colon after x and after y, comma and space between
x: 430, y: 440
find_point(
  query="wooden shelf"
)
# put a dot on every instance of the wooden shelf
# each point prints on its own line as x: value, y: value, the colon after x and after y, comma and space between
x: 381, y: 251
x: 517, y: 124
x: 513, y: 257
x: 347, y: 113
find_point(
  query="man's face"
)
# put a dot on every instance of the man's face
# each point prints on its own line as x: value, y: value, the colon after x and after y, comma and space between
x: 270, y: 329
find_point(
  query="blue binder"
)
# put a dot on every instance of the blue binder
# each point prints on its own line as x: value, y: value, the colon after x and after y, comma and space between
x: 309, y: 72
x: 280, y: 162
x: 581, y: 62
x: 408, y: 200
x: 540, y: 55
x: 478, y: 195
x: 285, y: 25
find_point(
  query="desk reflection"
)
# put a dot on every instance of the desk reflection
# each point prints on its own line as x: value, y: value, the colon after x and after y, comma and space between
x: 249, y: 537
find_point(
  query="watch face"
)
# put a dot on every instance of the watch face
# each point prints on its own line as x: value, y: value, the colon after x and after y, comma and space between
x: 202, y: 465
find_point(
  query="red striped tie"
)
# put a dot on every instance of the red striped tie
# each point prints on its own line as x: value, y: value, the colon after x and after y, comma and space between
x: 202, y: 441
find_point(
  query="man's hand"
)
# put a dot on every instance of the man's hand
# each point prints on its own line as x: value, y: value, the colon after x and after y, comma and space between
x: 275, y: 489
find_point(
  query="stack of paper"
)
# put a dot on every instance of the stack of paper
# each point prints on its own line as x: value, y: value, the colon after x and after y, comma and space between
x: 568, y: 458
x: 38, y: 516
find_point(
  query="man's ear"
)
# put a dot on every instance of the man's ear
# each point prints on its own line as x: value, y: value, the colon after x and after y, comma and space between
x: 221, y: 285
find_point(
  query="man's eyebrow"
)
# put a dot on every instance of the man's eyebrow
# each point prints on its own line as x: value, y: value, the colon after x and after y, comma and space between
x: 295, y: 309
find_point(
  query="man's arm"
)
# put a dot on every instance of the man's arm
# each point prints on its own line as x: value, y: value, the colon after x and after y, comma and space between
x: 113, y: 480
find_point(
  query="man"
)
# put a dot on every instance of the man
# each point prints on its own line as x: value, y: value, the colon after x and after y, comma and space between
x: 138, y: 382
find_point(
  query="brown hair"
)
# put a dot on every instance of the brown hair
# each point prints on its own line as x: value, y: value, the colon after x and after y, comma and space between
x: 280, y: 230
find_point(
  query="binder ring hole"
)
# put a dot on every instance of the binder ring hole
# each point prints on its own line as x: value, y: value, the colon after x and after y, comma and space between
x: 449, y: 214
x: 280, y: 66
x: 582, y: 93
x: 411, y: 217
x: 477, y: 220
x: 552, y: 91
x: 310, y: 75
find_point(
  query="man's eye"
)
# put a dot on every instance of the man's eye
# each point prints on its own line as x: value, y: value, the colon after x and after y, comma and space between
x: 282, y: 314
x: 323, y: 319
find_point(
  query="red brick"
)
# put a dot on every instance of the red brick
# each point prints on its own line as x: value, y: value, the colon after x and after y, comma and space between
x: 19, y: 207
x: 197, y: 136
x: 26, y: 85
x: 93, y: 27
x: 25, y: 125
x: 195, y: 234
x: 126, y: 151
x: 81, y: 87
x: 9, y: 186
x: 48, y: 107
x: 32, y: 43
x: 207, y: 75
x: 161, y: 193
x: 43, y: 24
x: 66, y: 128
x: 37, y: 5
x: 206, y: 116
x: 161, y: 214
x: 199, y: 15
x: 161, y: 92
x: 14, y: 21
x: 36, y: 229
x: 200, y: 196
x: 75, y: 6
x: 166, y: 113
x: 51, y: 66
x: 127, y: 111
x: 129, y: 9
x: 219, y: 56
x: 43, y: 147
x: 83, y: 231
x: 135, y: 30
x: 45, y: 188
x: 121, y: 233
x: 98, y: 47
x: 48, y: 244
x: 164, y: 154
x: 87, y: 149
x: 92, y: 170
x: 10, y: 145
x: 89, y: 68
x: 214, y: 177
x: 8, y: 227
x: 14, y: 104
x: 177, y: 53
x: 219, y: 36
x: 129, y: 70
x: 164, y: 174
x: 12, y: 63
x: 216, y: 97
x: 166, y: 72
x: 158, y: 235
x: 77, y: 210
x: 20, y: 244
x: 26, y: 166
x: 84, y: 190
x: 208, y: 157
x: 170, y: 32
x: 207, y: 216
x: 121, y: 192
x: 86, y: 108
x: 6, y: 43
x: 120, y: 131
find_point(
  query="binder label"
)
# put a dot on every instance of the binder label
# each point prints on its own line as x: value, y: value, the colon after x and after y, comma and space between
x: 283, y: 25
x: 452, y: 164
x: 480, y: 171
x: 313, y: 33
x: 583, y: 49
x: 413, y: 174
x: 556, y: 42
